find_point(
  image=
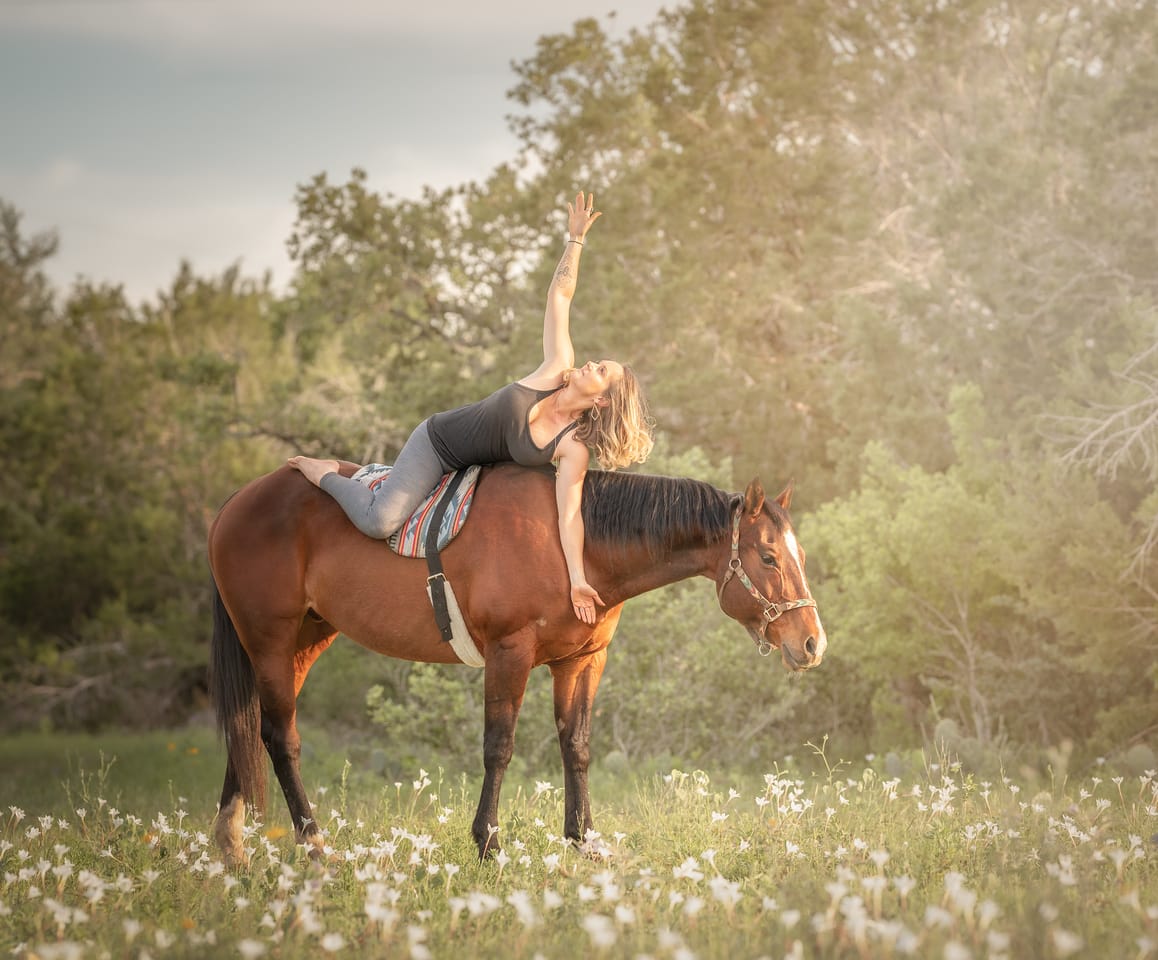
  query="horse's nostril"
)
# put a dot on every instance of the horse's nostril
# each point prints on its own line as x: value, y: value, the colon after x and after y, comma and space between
x: 810, y: 646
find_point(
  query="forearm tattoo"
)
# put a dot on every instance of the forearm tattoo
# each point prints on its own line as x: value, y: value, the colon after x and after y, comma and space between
x: 567, y: 273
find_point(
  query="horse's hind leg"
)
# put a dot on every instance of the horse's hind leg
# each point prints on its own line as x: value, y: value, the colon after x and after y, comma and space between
x: 238, y: 709
x: 575, y: 683
x: 280, y: 680
x: 277, y: 657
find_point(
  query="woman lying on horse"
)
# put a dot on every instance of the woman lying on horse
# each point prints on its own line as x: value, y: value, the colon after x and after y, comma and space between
x: 291, y: 572
x: 554, y: 414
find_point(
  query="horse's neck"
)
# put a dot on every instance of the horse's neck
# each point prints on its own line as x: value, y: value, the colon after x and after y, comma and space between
x: 634, y: 572
x: 650, y: 531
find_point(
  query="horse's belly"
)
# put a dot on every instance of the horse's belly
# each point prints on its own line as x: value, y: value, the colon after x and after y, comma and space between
x: 379, y: 601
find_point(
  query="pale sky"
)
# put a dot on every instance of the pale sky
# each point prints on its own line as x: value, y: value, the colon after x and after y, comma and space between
x: 145, y: 132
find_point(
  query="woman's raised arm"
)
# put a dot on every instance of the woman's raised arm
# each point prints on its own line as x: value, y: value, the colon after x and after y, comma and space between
x: 558, y: 352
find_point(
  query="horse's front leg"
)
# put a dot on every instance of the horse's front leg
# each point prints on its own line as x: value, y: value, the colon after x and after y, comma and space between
x: 575, y: 684
x: 505, y: 682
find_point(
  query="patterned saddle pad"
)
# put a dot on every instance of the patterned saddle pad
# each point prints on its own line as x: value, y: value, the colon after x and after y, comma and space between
x: 410, y: 540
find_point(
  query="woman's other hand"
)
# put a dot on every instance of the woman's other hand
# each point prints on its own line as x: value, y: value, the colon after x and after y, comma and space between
x: 583, y: 601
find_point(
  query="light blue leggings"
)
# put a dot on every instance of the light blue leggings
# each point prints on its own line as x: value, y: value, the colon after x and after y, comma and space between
x: 381, y: 511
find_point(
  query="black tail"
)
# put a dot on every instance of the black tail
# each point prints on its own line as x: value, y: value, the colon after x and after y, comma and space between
x: 234, y: 693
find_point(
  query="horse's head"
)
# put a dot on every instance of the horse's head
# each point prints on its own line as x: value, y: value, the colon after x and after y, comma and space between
x: 761, y: 580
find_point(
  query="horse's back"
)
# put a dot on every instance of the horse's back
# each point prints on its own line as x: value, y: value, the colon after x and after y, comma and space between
x: 281, y: 548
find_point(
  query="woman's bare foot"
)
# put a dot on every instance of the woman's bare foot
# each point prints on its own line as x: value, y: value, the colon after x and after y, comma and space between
x: 312, y: 469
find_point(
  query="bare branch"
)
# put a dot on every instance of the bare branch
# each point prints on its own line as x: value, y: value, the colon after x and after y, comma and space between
x: 1114, y: 437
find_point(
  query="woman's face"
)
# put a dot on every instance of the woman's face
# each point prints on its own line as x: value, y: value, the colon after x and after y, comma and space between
x: 595, y: 377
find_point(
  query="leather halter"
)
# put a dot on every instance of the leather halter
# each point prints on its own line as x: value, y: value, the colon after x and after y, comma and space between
x: 771, y: 611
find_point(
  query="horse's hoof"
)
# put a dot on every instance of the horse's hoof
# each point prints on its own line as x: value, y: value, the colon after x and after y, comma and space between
x: 227, y: 832
x: 238, y: 860
x: 488, y: 850
x: 316, y: 849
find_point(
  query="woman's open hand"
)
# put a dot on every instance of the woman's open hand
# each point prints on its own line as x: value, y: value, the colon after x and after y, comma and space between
x: 583, y: 600
x: 580, y: 215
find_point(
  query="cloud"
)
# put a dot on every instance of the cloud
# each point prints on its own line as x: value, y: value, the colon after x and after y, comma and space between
x: 134, y: 227
x: 62, y: 174
x: 179, y: 129
x: 255, y: 27
x: 403, y: 169
x: 127, y: 228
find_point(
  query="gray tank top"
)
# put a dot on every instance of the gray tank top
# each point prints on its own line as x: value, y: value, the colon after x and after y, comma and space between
x: 494, y: 430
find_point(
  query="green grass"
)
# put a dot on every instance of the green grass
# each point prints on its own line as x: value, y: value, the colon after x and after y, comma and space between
x: 104, y: 857
x: 44, y: 772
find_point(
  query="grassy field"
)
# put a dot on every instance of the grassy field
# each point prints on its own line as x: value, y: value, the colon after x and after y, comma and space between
x: 105, y: 852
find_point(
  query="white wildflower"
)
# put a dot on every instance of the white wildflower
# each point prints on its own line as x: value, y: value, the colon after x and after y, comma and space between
x: 63, y: 950
x: 601, y: 930
x: 936, y: 916
x: 624, y: 915
x: 521, y: 901
x: 725, y: 891
x: 416, y: 938
x: 1066, y: 943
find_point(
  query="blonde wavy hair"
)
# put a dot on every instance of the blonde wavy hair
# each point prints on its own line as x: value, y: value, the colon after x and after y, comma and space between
x: 619, y: 433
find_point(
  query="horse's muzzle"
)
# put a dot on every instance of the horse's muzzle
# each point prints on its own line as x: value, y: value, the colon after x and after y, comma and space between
x: 807, y: 658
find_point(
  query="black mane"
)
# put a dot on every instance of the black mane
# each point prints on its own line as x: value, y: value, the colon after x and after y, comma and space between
x: 661, y: 512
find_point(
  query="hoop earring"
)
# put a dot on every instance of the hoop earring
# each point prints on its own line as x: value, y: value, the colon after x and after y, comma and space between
x: 595, y: 414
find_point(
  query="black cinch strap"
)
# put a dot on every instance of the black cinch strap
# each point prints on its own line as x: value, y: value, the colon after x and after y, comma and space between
x: 437, y: 579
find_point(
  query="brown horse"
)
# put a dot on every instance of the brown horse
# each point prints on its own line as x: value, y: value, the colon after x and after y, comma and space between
x: 291, y: 572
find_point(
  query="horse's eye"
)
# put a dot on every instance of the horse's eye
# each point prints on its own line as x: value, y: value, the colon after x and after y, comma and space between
x: 768, y: 559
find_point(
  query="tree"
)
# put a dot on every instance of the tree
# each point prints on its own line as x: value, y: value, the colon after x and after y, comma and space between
x: 118, y: 425
x: 1117, y: 437
x: 997, y: 592
x: 400, y: 308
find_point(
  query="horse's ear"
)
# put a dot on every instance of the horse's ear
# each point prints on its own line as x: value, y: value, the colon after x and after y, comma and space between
x: 785, y: 497
x: 754, y: 498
